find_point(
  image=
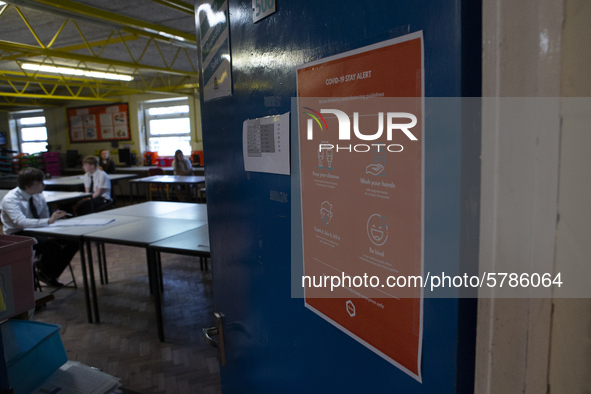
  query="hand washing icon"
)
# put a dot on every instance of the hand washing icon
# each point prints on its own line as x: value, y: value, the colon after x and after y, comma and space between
x: 375, y: 169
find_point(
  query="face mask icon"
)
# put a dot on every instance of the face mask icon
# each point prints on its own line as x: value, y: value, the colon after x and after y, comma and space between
x: 326, y: 212
x: 377, y: 229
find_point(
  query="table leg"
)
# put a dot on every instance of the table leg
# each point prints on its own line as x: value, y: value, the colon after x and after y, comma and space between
x: 160, y: 276
x: 104, y: 263
x: 100, y: 262
x: 137, y: 191
x: 92, y: 283
x: 155, y: 282
x: 85, y: 280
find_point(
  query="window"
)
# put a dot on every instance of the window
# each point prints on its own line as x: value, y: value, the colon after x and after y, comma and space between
x: 168, y: 127
x: 32, y: 131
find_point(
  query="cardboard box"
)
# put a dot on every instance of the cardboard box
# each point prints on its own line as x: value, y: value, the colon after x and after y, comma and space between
x: 16, y: 274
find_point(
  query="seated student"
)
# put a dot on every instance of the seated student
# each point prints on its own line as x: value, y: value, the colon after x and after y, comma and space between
x: 25, y: 207
x: 105, y: 162
x: 97, y: 182
x: 181, y: 166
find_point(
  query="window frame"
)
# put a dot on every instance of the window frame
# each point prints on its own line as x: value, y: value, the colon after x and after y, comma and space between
x: 146, y: 106
x: 17, y: 117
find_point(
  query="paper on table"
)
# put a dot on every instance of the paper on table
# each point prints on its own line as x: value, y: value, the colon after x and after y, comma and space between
x: 81, y: 222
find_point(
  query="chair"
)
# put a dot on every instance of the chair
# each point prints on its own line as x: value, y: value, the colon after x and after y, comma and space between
x: 38, y: 286
x: 201, y: 195
x: 157, y: 171
x: 104, y: 207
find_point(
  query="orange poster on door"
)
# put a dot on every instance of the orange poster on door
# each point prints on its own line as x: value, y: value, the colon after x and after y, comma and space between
x: 361, y: 161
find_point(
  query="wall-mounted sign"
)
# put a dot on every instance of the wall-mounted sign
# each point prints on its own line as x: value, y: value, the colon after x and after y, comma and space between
x: 211, y: 19
x: 265, y: 144
x: 362, y: 194
x: 99, y: 123
x: 262, y: 9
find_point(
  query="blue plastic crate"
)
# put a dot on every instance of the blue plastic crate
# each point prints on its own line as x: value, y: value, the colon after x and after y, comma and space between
x: 33, y: 351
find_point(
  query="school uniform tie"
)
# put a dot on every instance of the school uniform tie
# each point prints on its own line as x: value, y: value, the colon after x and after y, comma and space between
x: 91, y: 184
x: 33, y: 208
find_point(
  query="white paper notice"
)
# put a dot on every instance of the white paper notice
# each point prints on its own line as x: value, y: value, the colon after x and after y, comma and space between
x: 265, y: 144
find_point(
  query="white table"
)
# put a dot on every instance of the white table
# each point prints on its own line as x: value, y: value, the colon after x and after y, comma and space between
x: 77, y: 182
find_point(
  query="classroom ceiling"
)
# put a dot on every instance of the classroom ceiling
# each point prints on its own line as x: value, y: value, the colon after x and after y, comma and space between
x: 151, y: 40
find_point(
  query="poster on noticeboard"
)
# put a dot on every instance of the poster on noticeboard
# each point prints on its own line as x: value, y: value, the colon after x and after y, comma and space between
x: 362, y: 194
x: 99, y: 123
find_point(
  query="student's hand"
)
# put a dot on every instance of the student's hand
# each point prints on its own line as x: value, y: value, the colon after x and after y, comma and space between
x: 57, y: 215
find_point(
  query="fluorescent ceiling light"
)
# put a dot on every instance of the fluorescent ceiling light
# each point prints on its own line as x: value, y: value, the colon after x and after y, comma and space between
x: 171, y: 36
x: 76, y: 71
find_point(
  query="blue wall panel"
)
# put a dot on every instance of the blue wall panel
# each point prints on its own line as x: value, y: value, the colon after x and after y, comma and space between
x: 274, y: 344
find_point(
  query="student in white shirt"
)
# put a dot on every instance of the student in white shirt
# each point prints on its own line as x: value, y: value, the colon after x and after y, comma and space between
x: 26, y: 207
x: 182, y: 166
x: 97, y: 182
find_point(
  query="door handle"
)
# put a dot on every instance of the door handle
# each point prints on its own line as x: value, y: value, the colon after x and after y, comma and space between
x: 218, y: 330
x: 207, y: 333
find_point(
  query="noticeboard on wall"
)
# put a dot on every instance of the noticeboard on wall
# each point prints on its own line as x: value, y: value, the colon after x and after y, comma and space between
x: 99, y: 123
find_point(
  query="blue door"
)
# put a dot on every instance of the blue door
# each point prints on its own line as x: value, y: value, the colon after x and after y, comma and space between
x: 273, y: 344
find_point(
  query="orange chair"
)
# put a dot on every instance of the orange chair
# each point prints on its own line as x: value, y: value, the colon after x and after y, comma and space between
x: 157, y: 171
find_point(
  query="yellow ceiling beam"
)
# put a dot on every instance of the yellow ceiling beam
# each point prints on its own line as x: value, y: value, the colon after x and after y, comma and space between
x: 105, y: 96
x: 178, y: 87
x: 72, y: 9
x: 44, y: 78
x: 53, y: 97
x: 100, y: 43
x: 75, y: 81
x: 14, y: 79
x: 77, y: 47
x: 105, y: 90
x: 30, y: 50
x: 177, y: 5
x: 37, y: 88
x: 19, y: 104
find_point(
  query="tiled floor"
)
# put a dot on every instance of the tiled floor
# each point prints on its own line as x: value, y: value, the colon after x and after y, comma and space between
x: 125, y: 344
